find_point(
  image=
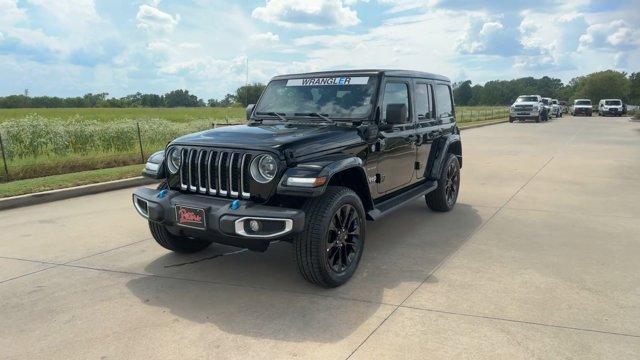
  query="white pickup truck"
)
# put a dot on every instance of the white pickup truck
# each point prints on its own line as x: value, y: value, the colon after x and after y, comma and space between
x: 582, y: 106
x: 528, y: 107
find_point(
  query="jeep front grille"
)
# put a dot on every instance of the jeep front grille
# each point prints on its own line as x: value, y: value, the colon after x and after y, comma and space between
x: 215, y: 172
x: 524, y: 107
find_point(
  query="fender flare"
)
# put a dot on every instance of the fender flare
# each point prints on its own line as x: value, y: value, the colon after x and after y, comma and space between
x: 328, y: 168
x: 450, y: 144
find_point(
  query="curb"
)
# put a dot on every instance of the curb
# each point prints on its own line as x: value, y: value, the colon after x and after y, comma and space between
x: 475, y: 126
x: 61, y: 194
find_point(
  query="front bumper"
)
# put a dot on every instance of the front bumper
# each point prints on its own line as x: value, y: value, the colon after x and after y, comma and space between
x: 524, y: 114
x: 584, y: 111
x: 222, y: 223
x: 612, y: 111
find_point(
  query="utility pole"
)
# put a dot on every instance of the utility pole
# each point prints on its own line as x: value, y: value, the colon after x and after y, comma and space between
x: 26, y: 92
x: 246, y: 87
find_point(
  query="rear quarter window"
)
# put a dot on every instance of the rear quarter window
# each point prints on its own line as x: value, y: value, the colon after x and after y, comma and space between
x: 444, y: 106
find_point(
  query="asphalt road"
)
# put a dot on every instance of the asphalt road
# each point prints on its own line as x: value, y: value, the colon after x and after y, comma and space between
x: 539, y: 259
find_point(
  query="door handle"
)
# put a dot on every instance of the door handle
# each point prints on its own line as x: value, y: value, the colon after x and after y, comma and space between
x: 435, y: 133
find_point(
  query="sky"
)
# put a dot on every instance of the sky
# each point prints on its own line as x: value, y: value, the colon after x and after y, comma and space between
x: 72, y: 47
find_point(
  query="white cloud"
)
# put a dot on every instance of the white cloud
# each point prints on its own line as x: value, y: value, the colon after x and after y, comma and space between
x: 264, y: 39
x: 488, y: 36
x: 70, y: 14
x: 621, y: 60
x: 310, y: 14
x: 10, y: 13
x: 152, y: 19
x: 615, y: 35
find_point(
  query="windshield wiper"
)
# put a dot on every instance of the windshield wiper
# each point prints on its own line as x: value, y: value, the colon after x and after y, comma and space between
x: 321, y: 116
x: 273, y: 113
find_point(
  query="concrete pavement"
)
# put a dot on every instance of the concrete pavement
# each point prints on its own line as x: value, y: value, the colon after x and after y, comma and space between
x: 538, y: 260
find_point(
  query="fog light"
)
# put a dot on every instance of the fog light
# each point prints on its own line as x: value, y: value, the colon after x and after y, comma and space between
x: 254, y: 225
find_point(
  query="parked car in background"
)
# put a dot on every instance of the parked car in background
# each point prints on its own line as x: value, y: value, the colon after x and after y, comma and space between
x: 528, y: 107
x: 564, y: 107
x: 546, y: 102
x: 610, y: 107
x: 556, y: 109
x: 582, y: 107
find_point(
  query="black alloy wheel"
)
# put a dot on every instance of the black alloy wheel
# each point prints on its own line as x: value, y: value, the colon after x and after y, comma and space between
x: 452, y: 183
x: 343, y: 242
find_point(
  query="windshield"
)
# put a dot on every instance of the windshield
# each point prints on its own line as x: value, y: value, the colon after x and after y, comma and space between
x: 341, y: 97
x: 554, y: 102
x: 527, y: 99
x: 612, y: 102
x: 545, y: 101
x: 583, y: 102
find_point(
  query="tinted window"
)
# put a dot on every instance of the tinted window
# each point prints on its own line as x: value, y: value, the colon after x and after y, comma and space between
x: 612, y: 102
x: 444, y: 107
x: 422, y: 101
x: 583, y: 102
x: 395, y: 93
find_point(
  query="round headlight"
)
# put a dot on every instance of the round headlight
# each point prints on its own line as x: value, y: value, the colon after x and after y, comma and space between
x: 173, y: 159
x: 264, y: 168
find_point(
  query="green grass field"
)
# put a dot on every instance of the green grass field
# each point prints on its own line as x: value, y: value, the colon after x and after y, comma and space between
x: 44, y: 142
x: 111, y: 114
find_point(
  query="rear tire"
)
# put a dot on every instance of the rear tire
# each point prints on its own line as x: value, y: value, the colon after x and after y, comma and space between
x: 444, y: 197
x: 179, y: 244
x: 329, y: 249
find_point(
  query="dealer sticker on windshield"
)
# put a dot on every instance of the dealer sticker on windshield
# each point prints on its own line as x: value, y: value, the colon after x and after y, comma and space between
x: 335, y: 81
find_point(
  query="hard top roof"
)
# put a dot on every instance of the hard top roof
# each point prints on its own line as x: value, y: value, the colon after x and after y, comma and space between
x: 582, y: 100
x: 400, y: 73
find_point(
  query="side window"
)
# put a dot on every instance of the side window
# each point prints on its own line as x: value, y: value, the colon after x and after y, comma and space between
x: 397, y: 95
x: 444, y: 107
x: 423, y: 94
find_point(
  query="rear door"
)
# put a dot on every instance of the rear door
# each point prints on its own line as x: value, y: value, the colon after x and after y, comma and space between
x: 396, y: 145
x: 427, y: 125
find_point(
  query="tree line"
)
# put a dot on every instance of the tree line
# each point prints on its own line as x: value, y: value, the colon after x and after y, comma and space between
x: 599, y: 85
x: 177, y: 98
x: 595, y: 86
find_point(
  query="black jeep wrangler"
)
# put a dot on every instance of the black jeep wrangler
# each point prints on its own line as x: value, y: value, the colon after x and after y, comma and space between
x: 321, y: 153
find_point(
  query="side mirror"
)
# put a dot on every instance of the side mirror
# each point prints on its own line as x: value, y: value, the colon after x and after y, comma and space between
x: 396, y: 114
x: 249, y: 110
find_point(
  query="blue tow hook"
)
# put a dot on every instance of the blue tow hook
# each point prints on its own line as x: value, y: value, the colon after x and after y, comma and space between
x: 162, y: 194
x: 235, y: 204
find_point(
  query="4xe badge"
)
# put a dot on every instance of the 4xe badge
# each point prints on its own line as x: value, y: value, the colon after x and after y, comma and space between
x: 190, y: 217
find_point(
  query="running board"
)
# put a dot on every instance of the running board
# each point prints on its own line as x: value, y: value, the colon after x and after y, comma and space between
x: 396, y: 202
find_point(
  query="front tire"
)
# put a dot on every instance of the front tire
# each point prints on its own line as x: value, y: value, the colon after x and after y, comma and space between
x: 329, y: 249
x: 180, y: 244
x: 444, y: 197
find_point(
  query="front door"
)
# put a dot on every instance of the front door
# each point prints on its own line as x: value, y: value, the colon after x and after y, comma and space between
x: 397, y: 138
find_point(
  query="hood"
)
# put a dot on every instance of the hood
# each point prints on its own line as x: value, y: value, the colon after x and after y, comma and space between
x: 298, y: 139
x: 532, y: 103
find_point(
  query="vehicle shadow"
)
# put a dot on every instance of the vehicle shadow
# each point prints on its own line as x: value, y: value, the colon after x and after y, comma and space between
x: 262, y: 295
